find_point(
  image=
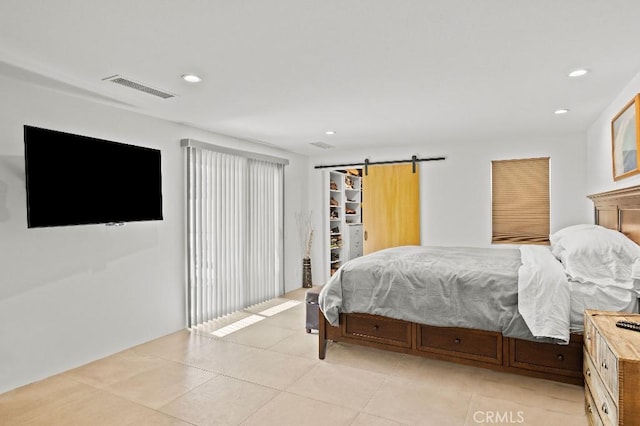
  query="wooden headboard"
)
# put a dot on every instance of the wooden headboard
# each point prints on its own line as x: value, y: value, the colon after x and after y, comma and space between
x: 619, y: 210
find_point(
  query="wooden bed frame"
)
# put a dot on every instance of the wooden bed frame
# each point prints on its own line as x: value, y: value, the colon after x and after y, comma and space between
x: 619, y: 210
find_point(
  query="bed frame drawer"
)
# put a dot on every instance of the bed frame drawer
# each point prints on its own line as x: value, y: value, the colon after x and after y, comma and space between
x: 473, y: 347
x: 548, y: 357
x: 461, y: 342
x: 383, y: 330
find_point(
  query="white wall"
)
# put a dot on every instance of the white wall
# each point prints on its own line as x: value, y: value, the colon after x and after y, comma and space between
x: 70, y: 295
x: 455, y: 194
x: 599, y: 161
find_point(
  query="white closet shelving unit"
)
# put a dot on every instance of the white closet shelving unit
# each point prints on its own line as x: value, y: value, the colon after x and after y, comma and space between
x: 343, y: 219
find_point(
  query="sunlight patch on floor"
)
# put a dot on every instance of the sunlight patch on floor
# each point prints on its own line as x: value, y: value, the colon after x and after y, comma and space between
x: 252, y: 319
x: 238, y: 325
x: 279, y: 308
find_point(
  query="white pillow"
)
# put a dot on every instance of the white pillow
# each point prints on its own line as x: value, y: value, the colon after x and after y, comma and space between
x: 556, y: 238
x: 599, y: 255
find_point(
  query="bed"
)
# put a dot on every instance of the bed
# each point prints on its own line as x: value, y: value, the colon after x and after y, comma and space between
x: 532, y: 323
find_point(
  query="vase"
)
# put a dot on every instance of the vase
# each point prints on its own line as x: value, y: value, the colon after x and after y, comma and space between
x: 307, y: 282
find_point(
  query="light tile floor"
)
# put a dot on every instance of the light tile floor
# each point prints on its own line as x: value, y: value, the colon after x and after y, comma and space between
x: 269, y: 374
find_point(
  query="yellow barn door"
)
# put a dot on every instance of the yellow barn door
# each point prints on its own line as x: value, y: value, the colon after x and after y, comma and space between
x: 390, y: 207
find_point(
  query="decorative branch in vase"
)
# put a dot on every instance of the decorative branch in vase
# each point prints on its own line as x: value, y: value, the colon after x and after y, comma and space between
x: 303, y: 220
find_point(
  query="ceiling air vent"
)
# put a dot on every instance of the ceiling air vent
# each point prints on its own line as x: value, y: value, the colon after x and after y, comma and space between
x: 123, y: 81
x: 322, y: 145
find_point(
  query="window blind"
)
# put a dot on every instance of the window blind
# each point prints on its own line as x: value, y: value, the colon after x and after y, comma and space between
x: 234, y: 232
x: 520, y: 201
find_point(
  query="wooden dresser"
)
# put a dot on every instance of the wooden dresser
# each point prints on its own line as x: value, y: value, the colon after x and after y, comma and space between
x: 611, y: 369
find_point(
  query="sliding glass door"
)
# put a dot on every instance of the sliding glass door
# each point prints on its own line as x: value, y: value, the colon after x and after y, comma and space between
x: 234, y: 230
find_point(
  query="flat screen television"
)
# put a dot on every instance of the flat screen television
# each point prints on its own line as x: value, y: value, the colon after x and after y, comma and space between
x: 79, y: 180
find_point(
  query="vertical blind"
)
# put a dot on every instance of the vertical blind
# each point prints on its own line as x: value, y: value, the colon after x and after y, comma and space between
x: 234, y: 232
x: 520, y: 201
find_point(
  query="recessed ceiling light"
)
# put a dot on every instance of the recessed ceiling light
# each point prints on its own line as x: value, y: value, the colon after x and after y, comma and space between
x: 191, y: 78
x: 330, y: 132
x: 579, y: 72
x: 561, y: 111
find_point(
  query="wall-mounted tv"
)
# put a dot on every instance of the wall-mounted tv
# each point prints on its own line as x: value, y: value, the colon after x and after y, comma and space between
x: 78, y: 180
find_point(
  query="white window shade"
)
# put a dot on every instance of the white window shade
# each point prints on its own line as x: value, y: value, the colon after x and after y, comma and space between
x: 234, y: 230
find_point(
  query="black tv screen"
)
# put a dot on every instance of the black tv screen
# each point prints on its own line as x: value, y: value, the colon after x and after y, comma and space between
x: 76, y: 180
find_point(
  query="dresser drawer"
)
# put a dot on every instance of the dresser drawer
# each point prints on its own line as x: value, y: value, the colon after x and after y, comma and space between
x: 461, y: 342
x: 589, y: 370
x: 601, y: 403
x: 380, y: 329
x: 355, y: 240
x: 607, y: 365
x: 546, y: 356
x: 590, y: 408
x: 607, y: 409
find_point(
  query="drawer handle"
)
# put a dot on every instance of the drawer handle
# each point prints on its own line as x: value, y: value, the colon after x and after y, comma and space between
x: 588, y: 372
x: 589, y: 409
x: 604, y: 365
x: 560, y: 357
x: 375, y: 328
x: 456, y: 340
x: 605, y: 409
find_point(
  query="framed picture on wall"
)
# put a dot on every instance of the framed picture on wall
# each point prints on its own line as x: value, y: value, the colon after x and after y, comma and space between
x: 625, y: 140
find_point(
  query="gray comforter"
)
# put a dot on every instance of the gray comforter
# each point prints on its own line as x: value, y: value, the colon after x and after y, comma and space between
x: 440, y: 286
